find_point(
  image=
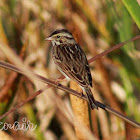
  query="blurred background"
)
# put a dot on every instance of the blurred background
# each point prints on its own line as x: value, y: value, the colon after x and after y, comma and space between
x: 97, y: 26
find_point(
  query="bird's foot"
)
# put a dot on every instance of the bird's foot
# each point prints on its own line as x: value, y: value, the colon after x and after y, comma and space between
x: 57, y: 85
x: 81, y: 93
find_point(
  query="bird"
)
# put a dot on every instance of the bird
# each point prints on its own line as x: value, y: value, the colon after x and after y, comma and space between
x: 71, y: 61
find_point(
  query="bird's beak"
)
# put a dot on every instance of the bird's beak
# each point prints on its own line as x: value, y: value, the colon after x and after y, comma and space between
x: 48, y: 38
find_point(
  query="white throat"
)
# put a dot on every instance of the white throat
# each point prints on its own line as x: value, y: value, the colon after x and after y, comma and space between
x: 55, y: 43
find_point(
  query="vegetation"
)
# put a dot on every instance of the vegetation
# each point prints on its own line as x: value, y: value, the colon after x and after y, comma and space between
x: 97, y: 26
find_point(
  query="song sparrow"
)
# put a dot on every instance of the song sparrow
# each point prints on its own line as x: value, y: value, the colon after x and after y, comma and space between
x: 71, y: 61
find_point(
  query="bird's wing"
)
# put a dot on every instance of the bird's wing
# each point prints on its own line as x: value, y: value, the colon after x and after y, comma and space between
x: 73, y: 62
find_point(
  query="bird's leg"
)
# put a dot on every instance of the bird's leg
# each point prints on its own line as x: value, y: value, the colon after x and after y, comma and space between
x: 60, y: 80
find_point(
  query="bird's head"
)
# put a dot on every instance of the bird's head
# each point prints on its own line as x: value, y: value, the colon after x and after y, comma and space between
x: 61, y: 36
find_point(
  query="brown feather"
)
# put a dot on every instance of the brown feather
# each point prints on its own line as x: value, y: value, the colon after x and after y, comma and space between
x: 73, y: 62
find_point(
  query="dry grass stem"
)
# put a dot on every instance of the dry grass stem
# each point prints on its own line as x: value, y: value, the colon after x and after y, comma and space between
x: 80, y: 109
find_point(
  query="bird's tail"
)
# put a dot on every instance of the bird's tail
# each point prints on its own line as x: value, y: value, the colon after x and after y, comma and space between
x: 90, y: 97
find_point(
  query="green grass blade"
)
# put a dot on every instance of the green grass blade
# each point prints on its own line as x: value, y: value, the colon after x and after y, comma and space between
x: 134, y: 9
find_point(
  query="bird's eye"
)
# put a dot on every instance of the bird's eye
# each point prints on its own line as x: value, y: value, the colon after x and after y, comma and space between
x: 58, y: 36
